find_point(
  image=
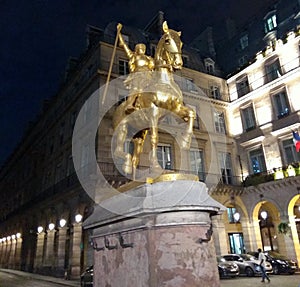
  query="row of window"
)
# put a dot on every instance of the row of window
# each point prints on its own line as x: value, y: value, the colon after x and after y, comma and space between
x: 257, y: 158
x: 281, y: 108
x: 273, y: 70
x: 197, y: 165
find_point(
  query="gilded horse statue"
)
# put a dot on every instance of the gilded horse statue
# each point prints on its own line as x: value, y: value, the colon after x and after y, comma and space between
x: 157, y: 96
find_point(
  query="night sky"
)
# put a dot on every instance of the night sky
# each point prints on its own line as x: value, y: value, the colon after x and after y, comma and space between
x: 38, y: 37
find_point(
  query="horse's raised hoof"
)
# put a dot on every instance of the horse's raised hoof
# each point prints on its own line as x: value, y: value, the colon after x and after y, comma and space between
x: 127, y: 166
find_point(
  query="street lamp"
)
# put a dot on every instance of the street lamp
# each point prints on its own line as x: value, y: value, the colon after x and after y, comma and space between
x: 236, y: 216
x: 13, y: 237
x: 62, y: 222
x: 264, y: 215
x: 78, y: 217
x: 51, y: 226
x: 18, y: 235
x: 40, y: 229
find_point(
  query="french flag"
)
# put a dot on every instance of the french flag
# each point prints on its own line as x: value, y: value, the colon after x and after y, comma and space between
x: 296, y: 137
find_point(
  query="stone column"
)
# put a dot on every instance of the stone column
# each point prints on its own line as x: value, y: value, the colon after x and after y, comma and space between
x: 285, y: 241
x: 1, y: 253
x: 38, y: 262
x: 256, y: 239
x: 76, y: 250
x: 219, y: 235
x: 18, y: 252
x: 3, y: 249
x: 61, y: 249
x: 49, y: 258
x: 294, y: 235
x: 12, y: 254
x: 8, y: 253
x: 246, y: 228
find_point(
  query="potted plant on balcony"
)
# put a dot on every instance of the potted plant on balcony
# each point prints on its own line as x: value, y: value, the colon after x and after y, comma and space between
x: 296, y: 167
x: 283, y: 228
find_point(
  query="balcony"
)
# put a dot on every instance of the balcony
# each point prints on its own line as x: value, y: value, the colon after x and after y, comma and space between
x: 273, y: 175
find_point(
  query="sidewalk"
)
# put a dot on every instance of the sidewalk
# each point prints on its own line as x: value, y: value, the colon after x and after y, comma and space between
x: 73, y: 283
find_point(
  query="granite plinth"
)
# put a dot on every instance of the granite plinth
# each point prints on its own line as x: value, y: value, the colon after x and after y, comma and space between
x: 155, y: 235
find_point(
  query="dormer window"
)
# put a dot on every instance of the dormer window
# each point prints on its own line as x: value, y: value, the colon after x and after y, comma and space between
x: 209, y: 65
x: 270, y: 22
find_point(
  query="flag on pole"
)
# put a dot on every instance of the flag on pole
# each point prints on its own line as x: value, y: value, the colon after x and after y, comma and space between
x: 296, y: 138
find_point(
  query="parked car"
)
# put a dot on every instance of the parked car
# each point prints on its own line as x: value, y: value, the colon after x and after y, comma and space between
x: 226, y: 268
x: 248, y: 264
x: 86, y: 278
x: 280, y: 263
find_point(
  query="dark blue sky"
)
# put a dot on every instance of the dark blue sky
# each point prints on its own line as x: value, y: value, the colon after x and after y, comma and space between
x: 38, y: 37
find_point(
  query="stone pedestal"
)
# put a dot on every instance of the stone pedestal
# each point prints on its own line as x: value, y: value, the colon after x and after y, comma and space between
x: 156, y: 235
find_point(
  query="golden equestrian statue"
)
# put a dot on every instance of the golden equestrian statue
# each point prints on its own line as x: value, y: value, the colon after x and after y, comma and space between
x: 152, y: 94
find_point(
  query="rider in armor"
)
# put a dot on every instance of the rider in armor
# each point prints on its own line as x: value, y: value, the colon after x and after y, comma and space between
x: 140, y: 68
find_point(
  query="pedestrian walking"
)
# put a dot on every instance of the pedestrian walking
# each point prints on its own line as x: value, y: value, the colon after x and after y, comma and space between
x: 262, y: 262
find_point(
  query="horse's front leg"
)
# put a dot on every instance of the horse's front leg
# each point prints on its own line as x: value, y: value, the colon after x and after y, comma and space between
x: 189, y: 115
x: 154, y: 138
x: 119, y: 150
x: 138, y: 148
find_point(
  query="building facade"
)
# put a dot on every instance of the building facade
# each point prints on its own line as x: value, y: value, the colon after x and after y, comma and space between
x: 242, y: 149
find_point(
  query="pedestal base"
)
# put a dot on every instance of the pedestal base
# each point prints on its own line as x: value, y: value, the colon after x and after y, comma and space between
x: 161, y: 237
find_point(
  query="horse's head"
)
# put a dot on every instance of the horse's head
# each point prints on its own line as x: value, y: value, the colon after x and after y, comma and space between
x: 168, y: 52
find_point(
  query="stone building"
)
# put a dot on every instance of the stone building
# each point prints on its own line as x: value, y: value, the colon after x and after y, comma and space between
x: 242, y: 142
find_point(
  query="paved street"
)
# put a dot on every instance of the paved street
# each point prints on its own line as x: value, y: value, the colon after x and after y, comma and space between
x: 276, y: 281
x: 13, y: 278
x: 10, y: 278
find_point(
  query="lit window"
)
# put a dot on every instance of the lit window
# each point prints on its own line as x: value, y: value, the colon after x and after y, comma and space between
x: 281, y: 105
x: 164, y: 156
x: 273, y: 70
x: 257, y: 161
x: 270, y: 23
x: 197, y: 163
x: 123, y: 67
x: 219, y: 122
x: 226, y: 167
x: 244, y: 41
x: 242, y: 87
x: 248, y: 118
